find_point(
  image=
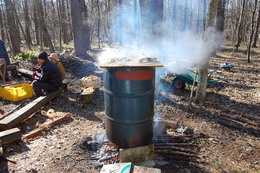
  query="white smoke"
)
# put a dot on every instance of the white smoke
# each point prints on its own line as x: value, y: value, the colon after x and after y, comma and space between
x: 176, y: 50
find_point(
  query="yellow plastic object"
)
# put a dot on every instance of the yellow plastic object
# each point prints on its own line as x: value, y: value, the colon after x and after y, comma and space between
x: 16, y: 92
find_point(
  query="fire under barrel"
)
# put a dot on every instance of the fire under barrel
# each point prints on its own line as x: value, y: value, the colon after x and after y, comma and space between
x: 129, y: 103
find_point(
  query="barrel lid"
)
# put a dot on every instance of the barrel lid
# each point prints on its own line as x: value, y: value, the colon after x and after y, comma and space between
x: 131, y: 61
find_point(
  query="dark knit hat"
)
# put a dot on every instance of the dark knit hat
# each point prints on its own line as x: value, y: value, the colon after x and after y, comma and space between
x: 43, y: 55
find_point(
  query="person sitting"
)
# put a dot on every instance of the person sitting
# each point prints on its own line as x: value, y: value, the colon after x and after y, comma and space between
x: 5, y: 61
x: 55, y: 59
x: 50, y: 78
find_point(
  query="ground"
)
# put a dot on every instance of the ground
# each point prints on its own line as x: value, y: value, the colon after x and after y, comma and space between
x: 225, y: 129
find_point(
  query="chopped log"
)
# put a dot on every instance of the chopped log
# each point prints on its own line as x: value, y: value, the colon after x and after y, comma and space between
x: 23, y: 113
x: 87, y: 95
x: 9, y: 136
x: 26, y: 73
x: 177, y: 153
x: 46, y: 126
x: 136, y: 154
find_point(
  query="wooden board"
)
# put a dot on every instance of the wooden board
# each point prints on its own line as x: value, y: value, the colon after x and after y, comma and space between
x: 9, y: 136
x: 23, y: 113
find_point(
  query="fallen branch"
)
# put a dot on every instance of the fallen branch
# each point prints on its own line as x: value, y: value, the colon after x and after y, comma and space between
x: 238, y: 125
x: 176, y: 153
x: 46, y: 126
x: 170, y: 148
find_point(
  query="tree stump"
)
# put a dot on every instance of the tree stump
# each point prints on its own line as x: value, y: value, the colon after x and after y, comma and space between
x: 87, y: 95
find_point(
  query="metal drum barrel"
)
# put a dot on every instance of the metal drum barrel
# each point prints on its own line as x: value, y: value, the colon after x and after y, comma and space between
x: 129, y: 105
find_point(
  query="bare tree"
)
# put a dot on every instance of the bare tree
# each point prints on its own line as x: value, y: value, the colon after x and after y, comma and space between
x: 252, y: 33
x: 12, y: 27
x: 221, y: 15
x: 257, y: 29
x: 43, y: 28
x: 203, y: 71
x: 80, y: 28
x: 239, y: 32
x: 28, y: 38
x: 2, y: 24
x: 157, y: 15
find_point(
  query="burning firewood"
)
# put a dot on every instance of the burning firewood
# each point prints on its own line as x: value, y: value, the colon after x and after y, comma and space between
x: 46, y: 126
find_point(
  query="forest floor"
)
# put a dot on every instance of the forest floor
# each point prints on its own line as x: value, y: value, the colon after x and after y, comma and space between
x: 225, y: 130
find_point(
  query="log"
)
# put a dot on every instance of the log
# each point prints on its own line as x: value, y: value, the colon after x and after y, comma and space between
x: 23, y: 113
x: 9, y: 136
x: 46, y: 126
x: 26, y: 73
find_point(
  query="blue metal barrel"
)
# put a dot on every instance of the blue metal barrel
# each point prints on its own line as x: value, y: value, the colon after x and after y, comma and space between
x: 129, y: 105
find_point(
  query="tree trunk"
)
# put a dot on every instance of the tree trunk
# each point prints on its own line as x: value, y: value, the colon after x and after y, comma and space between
x: 2, y: 24
x: 252, y: 33
x: 157, y: 11
x: 221, y: 15
x: 198, y: 25
x: 185, y: 16
x: 43, y: 28
x: 60, y: 23
x: 203, y: 71
x: 36, y: 23
x: 64, y: 23
x: 239, y: 33
x: 28, y: 38
x: 13, y: 28
x: 80, y: 28
x: 98, y: 27
x: 204, y: 13
x: 257, y: 30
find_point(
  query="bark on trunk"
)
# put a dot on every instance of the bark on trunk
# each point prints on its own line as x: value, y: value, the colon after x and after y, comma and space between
x: 80, y: 28
x: 43, y: 28
x: 28, y: 38
x: 257, y: 30
x: 203, y: 71
x: 252, y: 33
x: 239, y: 33
x: 13, y: 28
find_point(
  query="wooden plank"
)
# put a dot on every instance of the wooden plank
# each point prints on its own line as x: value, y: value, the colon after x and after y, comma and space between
x: 9, y: 136
x: 23, y: 113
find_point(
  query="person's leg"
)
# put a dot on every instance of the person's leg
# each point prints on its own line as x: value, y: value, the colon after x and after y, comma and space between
x: 40, y: 87
x: 37, y: 88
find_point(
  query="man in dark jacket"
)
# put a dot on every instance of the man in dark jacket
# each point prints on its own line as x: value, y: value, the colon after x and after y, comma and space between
x: 4, y: 55
x: 50, y: 79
